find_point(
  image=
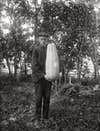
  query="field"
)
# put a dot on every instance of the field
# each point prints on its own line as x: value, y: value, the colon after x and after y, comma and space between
x: 70, y: 109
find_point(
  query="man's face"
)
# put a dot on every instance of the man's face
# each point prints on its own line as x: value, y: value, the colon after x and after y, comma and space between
x: 42, y: 40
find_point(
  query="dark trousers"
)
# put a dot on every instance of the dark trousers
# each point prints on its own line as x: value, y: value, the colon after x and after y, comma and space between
x: 42, y: 92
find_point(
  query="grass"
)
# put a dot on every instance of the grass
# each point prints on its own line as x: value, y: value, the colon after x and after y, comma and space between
x: 78, y: 111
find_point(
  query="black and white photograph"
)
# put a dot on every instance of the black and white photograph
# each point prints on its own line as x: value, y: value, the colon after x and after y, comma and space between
x: 50, y: 65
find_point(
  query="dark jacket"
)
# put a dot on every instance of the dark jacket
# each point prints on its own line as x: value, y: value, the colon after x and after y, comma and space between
x: 38, y: 63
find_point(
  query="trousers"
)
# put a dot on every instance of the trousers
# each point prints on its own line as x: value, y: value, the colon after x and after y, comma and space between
x: 42, y: 93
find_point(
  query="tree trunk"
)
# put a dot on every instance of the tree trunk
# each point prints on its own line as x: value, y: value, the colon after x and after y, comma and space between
x: 15, y: 67
x: 95, y: 64
x: 25, y: 69
x: 8, y: 64
x: 63, y: 73
x: 96, y: 70
x: 66, y: 75
x: 35, y: 27
x: 79, y: 65
x: 93, y: 55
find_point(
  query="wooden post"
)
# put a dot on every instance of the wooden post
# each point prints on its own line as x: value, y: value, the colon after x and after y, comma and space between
x: 70, y: 82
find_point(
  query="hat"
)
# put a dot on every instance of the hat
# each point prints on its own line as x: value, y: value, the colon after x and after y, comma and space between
x: 43, y: 34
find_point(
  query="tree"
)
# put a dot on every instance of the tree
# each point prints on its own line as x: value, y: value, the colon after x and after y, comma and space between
x: 68, y: 24
x: 76, y: 22
x: 15, y: 42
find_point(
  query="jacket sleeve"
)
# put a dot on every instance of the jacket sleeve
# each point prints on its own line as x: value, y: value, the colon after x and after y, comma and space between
x: 36, y: 66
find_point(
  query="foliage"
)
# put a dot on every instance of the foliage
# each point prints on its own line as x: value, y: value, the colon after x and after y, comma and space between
x: 90, y: 82
x: 15, y: 42
x: 72, y: 27
x: 69, y: 25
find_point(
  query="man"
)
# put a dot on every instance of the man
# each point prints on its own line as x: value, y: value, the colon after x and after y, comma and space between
x: 41, y: 84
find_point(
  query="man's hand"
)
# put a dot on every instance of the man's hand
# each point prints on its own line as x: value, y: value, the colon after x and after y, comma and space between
x: 46, y: 77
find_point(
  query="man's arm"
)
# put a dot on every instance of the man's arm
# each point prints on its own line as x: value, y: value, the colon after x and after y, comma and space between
x: 36, y: 67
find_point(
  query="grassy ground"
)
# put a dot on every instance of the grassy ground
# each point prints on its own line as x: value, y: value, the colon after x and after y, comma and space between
x: 68, y: 111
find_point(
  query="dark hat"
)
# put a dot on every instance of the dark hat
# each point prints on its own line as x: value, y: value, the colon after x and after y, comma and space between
x: 43, y: 34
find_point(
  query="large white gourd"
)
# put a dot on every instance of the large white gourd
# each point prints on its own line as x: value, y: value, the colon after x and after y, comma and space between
x: 52, y: 62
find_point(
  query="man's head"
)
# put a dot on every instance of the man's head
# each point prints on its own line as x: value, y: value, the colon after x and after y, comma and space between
x: 43, y: 38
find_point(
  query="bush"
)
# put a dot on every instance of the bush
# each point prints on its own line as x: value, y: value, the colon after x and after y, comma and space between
x: 84, y: 82
x: 74, y: 80
x: 7, y: 80
x: 89, y: 82
x: 68, y: 89
x: 25, y: 78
